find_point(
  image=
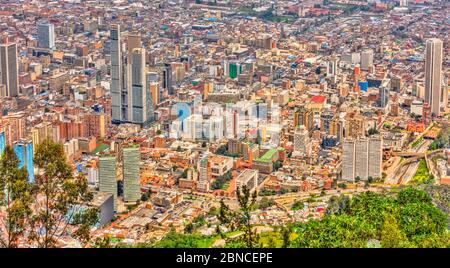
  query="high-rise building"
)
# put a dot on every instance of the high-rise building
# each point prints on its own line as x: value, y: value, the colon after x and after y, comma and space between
x: 248, y: 178
x: 154, y: 92
x: 235, y: 68
x: 116, y: 73
x: 9, y: 70
x: 2, y: 142
x: 140, y: 99
x: 46, y: 35
x: 301, y: 140
x: 24, y: 153
x: 396, y: 83
x: 304, y: 117
x: 337, y: 128
x: 433, y: 74
x: 42, y: 132
x: 354, y: 126
x: 348, y: 159
x: 362, y: 158
x: 325, y: 120
x: 134, y: 41
x: 375, y: 157
x: 131, y: 179
x: 167, y: 76
x: 361, y: 162
x: 333, y: 66
x: 204, y: 169
x: 384, y: 97
x: 107, y: 179
x: 366, y: 59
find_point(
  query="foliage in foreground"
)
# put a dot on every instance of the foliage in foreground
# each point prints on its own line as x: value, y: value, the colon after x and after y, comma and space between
x: 40, y: 212
x: 408, y: 220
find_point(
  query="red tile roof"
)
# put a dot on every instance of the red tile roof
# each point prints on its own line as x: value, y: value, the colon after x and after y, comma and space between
x: 320, y: 99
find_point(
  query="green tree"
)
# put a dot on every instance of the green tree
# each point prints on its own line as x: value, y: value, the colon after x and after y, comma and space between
x: 337, y: 204
x: 213, y: 211
x: 417, y: 219
x: 189, y: 228
x: 391, y: 236
x: 265, y: 203
x: 277, y: 165
x: 60, y: 199
x: 411, y: 195
x: 102, y: 242
x: 240, y: 219
x: 14, y: 198
x: 286, y: 233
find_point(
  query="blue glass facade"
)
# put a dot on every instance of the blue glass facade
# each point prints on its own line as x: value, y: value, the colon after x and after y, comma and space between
x: 2, y: 143
x: 24, y: 153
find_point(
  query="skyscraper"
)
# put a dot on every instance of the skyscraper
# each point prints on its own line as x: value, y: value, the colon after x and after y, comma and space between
x: 366, y: 59
x: 107, y: 176
x: 362, y: 158
x: 167, y: 75
x: 384, y: 97
x: 140, y: 100
x: 131, y: 179
x: 433, y: 74
x: 348, y: 158
x: 375, y: 157
x: 304, y: 117
x: 204, y: 170
x: 24, y: 153
x: 2, y: 142
x: 9, y: 71
x: 116, y: 73
x: 333, y: 66
x: 46, y: 35
x: 301, y: 140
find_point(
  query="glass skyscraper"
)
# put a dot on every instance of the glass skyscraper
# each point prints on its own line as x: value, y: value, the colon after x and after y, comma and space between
x: 46, y: 35
x: 2, y: 143
x: 131, y: 181
x: 24, y: 153
x: 107, y: 176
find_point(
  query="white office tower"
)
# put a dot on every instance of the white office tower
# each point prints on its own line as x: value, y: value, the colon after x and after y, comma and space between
x: 116, y: 72
x: 9, y: 70
x: 362, y: 158
x: 403, y: 3
x: 301, y: 141
x: 46, y: 35
x: 348, y: 160
x: 366, y: 59
x: 198, y: 128
x: 375, y: 157
x: 433, y: 74
x: 333, y: 66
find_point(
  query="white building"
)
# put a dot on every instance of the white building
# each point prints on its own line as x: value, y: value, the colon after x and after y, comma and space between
x: 362, y: 158
x: 366, y: 59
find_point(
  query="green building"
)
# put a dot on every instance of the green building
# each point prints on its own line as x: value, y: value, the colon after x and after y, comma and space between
x: 107, y: 176
x: 235, y: 68
x: 131, y: 180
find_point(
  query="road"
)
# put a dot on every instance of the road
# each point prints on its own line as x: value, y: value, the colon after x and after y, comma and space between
x: 406, y: 172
